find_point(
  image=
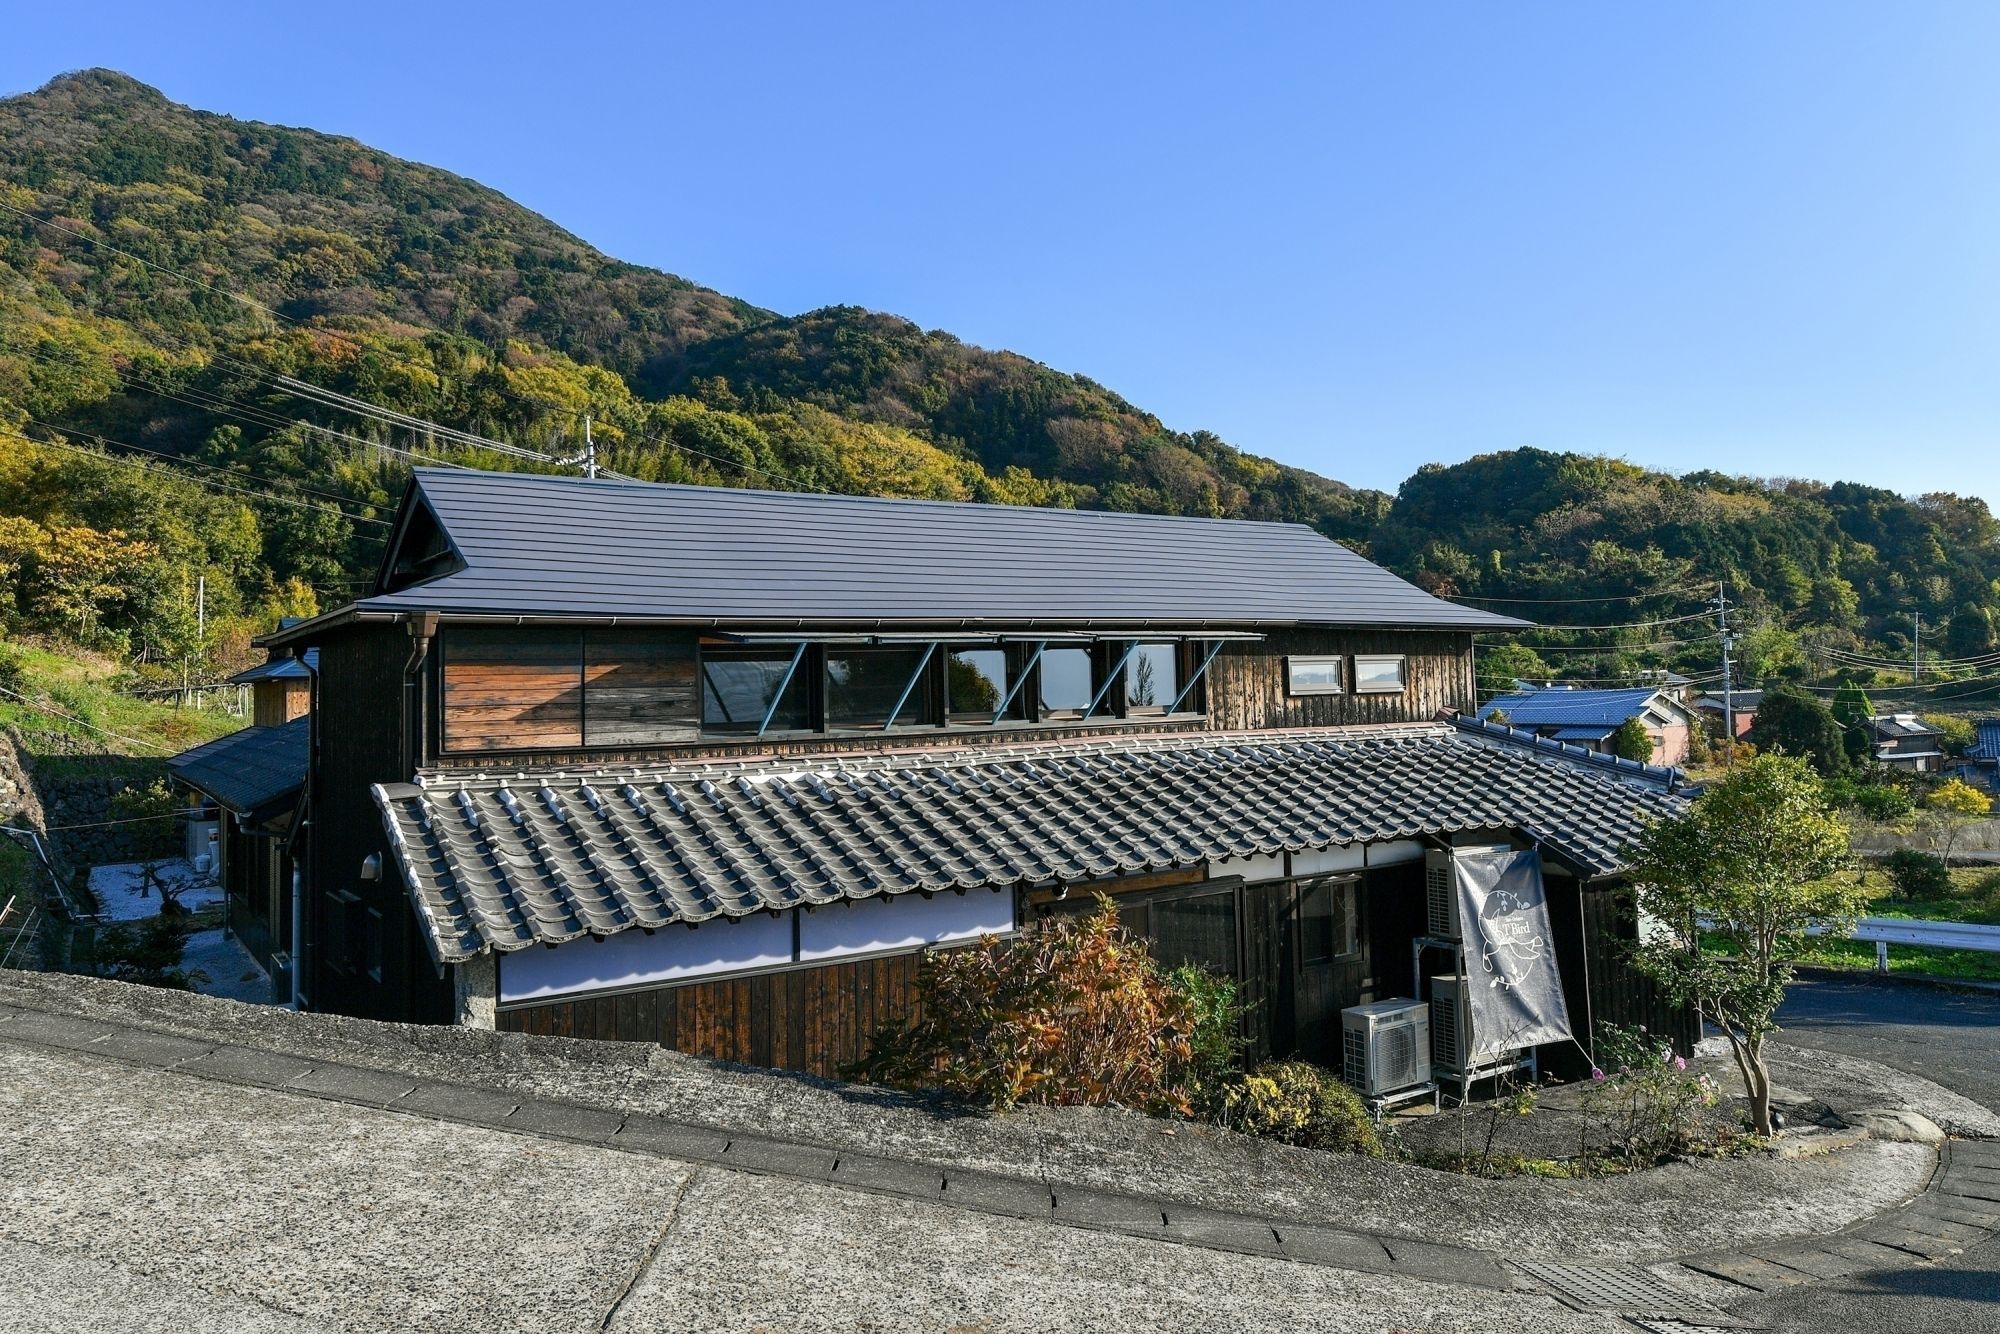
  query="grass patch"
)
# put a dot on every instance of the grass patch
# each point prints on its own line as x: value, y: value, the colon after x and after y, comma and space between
x: 73, y: 707
x: 1974, y: 896
x: 1973, y: 965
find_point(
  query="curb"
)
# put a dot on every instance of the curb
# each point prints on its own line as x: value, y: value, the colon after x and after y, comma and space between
x: 1971, y: 986
x: 1959, y: 1207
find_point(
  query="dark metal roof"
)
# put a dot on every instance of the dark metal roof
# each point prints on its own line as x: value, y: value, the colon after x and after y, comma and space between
x: 250, y: 770
x: 502, y: 863
x: 279, y: 669
x: 1897, y: 726
x: 558, y: 546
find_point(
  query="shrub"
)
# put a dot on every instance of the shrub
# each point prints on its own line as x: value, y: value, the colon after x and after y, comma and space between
x: 149, y: 953
x: 14, y: 670
x: 1881, y: 801
x: 1068, y: 1012
x: 1918, y: 875
x: 1298, y: 1103
x: 1650, y: 1105
x: 1217, y: 1040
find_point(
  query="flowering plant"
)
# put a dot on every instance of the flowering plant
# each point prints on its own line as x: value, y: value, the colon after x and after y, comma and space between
x: 1650, y: 1106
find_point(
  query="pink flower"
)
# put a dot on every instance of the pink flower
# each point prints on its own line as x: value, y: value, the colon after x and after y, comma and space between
x: 1680, y: 1063
x: 1596, y: 1074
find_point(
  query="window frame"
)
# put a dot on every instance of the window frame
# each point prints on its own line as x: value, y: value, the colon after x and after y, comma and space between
x: 810, y: 669
x: 1317, y: 660
x: 1402, y: 662
x: 1347, y: 946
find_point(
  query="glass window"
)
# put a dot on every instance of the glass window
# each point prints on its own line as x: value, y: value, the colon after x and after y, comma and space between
x: 976, y: 680
x: 863, y: 685
x: 1068, y: 682
x: 1199, y: 929
x: 1378, y: 675
x: 737, y: 687
x: 1312, y: 675
x: 1152, y: 678
x: 1329, y: 923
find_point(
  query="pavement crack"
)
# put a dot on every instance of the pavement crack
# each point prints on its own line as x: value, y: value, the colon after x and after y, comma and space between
x: 653, y: 1249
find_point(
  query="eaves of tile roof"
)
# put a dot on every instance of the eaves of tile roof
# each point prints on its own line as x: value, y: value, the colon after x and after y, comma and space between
x: 502, y: 862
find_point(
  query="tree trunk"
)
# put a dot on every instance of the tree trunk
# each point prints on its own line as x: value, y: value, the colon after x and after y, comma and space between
x: 1760, y: 1093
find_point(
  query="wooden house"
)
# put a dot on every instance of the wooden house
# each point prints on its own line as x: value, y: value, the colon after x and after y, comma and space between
x: 1905, y: 741
x: 712, y: 767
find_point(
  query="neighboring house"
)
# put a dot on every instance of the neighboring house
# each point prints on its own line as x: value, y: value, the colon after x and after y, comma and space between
x: 1742, y: 702
x: 1588, y: 718
x: 1980, y: 764
x: 1905, y: 741
x: 249, y: 784
x: 713, y: 767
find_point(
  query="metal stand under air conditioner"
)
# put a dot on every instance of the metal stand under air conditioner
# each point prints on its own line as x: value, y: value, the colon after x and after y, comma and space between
x: 1381, y: 1105
x: 1504, y: 1063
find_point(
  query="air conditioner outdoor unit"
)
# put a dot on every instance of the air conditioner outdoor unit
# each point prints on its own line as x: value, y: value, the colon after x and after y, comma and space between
x: 1451, y: 1026
x: 1386, y: 1047
x: 1441, y: 894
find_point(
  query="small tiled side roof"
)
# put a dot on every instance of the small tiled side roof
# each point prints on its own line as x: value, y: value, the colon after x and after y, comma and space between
x: 502, y: 863
x: 562, y: 546
x: 1988, y: 745
x: 249, y: 770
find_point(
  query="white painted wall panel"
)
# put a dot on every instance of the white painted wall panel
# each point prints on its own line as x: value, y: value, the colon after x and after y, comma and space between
x: 1389, y: 854
x: 633, y: 958
x: 903, y: 921
x: 1250, y: 868
x: 1346, y: 857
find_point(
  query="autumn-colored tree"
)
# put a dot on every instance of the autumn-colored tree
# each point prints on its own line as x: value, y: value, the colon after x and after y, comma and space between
x: 1071, y: 1011
x: 1948, y: 808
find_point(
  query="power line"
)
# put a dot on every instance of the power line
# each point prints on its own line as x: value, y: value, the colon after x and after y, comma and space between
x: 192, y: 478
x: 53, y: 712
x: 1564, y: 602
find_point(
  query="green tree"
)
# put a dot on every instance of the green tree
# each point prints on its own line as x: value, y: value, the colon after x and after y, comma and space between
x: 1735, y: 884
x: 1792, y: 721
x: 1632, y: 741
x: 1852, y: 709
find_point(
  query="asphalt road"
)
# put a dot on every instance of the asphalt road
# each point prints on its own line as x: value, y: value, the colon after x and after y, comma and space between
x: 1944, y: 1036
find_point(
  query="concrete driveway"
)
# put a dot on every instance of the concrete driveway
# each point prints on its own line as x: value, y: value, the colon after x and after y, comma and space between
x: 1948, y: 1037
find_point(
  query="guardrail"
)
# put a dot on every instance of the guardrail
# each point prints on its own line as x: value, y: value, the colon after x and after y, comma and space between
x: 1887, y: 931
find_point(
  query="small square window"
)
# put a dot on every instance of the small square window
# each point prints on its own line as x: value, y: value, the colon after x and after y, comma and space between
x: 1152, y: 679
x: 1313, y: 675
x: 1329, y: 919
x: 1383, y: 674
x: 1069, y: 681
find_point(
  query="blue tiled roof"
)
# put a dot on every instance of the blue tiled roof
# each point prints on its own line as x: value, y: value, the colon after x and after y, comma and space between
x: 1988, y: 745
x: 279, y: 669
x: 1557, y: 707
x: 1594, y: 733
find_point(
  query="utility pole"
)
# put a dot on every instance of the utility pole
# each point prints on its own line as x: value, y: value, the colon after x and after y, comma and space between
x: 1728, y: 685
x: 1917, y: 647
x: 589, y: 456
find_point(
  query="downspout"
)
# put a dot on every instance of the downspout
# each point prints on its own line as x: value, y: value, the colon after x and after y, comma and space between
x: 423, y: 627
x: 298, y: 926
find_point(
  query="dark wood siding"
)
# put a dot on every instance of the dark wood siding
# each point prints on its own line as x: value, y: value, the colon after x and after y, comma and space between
x: 638, y: 688
x: 812, y: 1019
x: 1593, y: 932
x: 1247, y: 687
x: 512, y: 687
x: 365, y: 955
x: 515, y: 688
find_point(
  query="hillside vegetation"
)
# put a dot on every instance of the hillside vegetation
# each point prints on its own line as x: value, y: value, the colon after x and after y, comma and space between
x: 179, y: 292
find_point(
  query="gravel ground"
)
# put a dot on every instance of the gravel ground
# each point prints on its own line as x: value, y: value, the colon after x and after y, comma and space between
x: 1663, y: 1212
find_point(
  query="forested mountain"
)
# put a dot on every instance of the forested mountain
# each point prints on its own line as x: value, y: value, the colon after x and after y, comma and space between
x: 181, y: 293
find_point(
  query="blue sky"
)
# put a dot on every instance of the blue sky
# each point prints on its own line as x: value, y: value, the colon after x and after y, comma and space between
x: 1761, y: 238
